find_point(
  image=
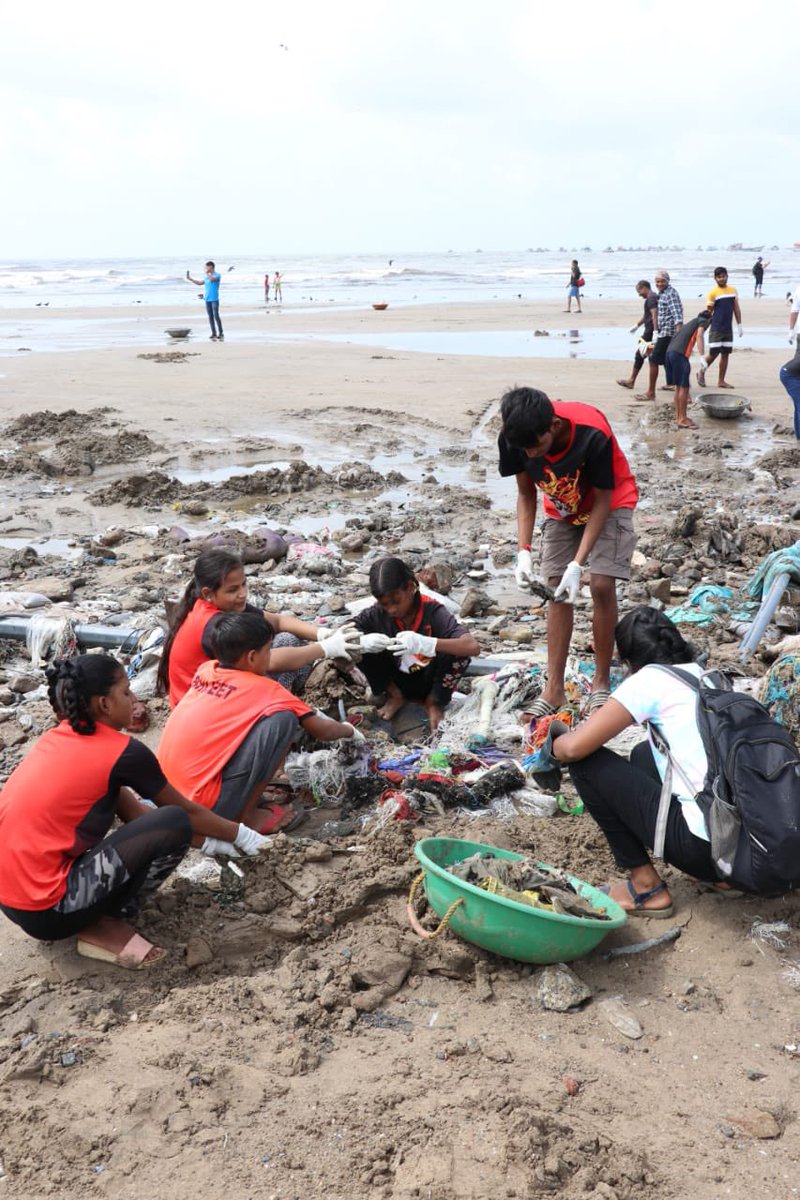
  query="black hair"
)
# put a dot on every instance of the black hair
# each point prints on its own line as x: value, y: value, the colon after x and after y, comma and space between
x: 645, y: 636
x: 389, y: 574
x: 71, y: 683
x: 211, y: 264
x: 236, y: 633
x: 526, y: 414
x: 210, y: 571
x: 644, y: 283
x: 720, y: 271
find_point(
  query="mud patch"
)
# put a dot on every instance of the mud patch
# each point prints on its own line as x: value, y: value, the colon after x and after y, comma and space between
x: 170, y: 356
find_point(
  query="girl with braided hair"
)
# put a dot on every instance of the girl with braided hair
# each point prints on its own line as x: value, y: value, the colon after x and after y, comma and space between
x: 623, y: 795
x: 61, y: 872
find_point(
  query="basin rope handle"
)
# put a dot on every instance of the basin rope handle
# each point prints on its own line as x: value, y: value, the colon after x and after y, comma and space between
x: 414, y: 919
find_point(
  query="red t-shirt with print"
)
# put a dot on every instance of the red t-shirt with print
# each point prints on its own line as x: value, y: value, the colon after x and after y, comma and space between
x: 591, y: 459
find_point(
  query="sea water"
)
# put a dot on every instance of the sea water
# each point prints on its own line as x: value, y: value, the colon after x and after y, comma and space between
x: 399, y: 278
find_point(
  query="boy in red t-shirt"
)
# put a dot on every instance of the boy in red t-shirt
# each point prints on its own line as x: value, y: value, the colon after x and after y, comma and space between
x: 230, y: 733
x: 569, y: 453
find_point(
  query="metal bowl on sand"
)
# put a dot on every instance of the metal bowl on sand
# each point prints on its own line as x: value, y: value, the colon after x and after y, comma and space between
x: 178, y: 333
x: 724, y: 406
x: 380, y: 307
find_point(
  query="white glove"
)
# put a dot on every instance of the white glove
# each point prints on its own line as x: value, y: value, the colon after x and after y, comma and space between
x: 250, y: 842
x: 340, y: 643
x: 739, y: 330
x: 409, y: 642
x: 355, y: 734
x: 570, y: 584
x: 376, y: 643
x: 214, y: 846
x: 523, y: 571
x: 326, y: 631
x: 633, y: 329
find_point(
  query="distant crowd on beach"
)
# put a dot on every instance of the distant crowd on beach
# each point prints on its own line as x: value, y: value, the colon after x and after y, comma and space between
x: 666, y: 340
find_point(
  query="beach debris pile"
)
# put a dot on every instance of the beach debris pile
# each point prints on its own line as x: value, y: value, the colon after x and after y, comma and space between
x: 526, y: 882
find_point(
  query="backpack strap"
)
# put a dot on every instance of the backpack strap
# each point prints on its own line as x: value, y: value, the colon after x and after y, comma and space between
x: 662, y: 745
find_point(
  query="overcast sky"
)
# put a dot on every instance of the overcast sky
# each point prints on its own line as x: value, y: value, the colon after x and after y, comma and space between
x: 388, y: 125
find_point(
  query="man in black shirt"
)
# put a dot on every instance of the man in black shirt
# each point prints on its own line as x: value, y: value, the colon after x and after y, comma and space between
x: 645, y: 322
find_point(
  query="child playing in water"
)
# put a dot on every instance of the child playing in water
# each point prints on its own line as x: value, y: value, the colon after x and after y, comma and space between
x: 218, y: 586
x: 414, y: 649
x: 231, y: 732
x: 60, y: 874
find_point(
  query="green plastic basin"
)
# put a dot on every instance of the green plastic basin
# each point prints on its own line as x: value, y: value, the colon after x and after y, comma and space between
x: 504, y: 926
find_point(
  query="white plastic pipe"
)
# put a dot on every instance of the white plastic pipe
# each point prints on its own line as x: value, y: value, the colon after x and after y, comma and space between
x: 763, y: 617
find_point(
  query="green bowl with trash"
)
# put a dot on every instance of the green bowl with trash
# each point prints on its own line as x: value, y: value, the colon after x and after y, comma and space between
x: 504, y: 926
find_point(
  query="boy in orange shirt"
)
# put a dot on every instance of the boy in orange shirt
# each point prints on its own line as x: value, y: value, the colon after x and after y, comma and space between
x: 230, y: 733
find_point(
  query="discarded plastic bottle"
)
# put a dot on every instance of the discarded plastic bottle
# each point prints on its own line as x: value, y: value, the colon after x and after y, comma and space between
x: 439, y: 760
x: 572, y: 809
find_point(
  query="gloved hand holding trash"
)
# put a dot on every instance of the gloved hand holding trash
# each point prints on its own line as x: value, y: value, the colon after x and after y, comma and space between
x: 408, y: 642
x: 541, y: 764
x: 567, y: 590
x: 341, y: 643
x: 247, y: 841
x: 376, y: 643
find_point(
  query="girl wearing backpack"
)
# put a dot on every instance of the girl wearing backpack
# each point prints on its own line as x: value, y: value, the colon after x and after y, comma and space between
x: 623, y: 795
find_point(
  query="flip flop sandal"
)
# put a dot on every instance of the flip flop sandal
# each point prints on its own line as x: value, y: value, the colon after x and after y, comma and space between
x: 597, y: 700
x: 624, y: 383
x: 640, y: 396
x: 727, y: 893
x: 640, y: 898
x: 132, y: 956
x: 281, y: 818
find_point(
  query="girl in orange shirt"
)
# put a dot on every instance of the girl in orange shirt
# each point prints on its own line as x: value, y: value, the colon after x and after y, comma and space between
x: 61, y: 871
x: 219, y: 586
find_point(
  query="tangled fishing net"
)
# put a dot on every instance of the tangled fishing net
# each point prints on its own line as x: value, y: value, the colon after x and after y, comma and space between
x: 50, y: 636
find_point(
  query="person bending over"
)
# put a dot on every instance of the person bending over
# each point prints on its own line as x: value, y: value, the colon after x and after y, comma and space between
x: 61, y: 872
x: 218, y: 586
x: 414, y: 649
x: 231, y: 732
x: 623, y: 795
x: 569, y: 453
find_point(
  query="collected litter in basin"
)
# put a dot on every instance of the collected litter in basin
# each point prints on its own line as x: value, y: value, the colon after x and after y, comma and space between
x: 526, y: 882
x: 499, y: 923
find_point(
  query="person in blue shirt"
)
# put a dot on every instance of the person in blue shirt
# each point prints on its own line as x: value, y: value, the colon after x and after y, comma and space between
x: 210, y: 287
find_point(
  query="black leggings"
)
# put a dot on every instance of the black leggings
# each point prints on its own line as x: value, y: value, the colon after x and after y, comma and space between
x: 623, y: 798
x: 112, y: 878
x: 438, y: 680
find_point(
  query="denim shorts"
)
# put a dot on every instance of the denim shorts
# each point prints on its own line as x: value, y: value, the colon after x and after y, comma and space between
x: 678, y: 368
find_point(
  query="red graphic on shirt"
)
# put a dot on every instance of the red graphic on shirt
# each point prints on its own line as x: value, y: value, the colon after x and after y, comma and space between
x: 566, y: 495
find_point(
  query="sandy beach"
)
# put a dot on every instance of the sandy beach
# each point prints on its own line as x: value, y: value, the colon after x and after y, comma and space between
x: 252, y: 1061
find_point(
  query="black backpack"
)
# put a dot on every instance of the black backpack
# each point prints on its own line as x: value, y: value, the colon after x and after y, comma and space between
x: 751, y: 796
